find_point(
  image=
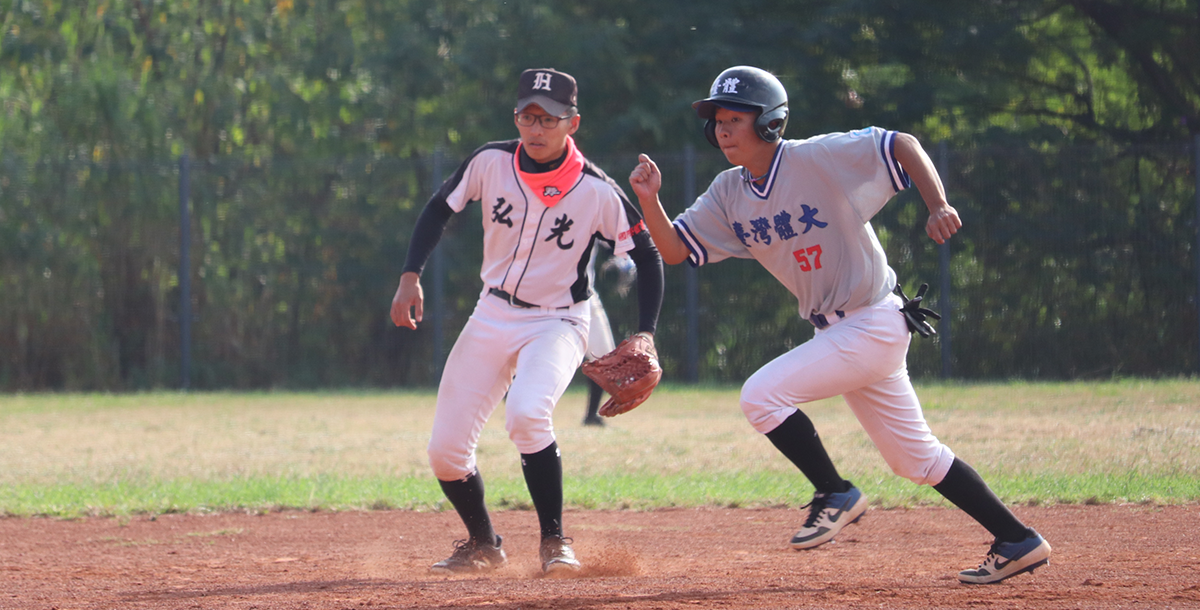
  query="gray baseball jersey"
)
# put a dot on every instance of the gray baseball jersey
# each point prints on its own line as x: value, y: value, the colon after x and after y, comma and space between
x: 808, y: 223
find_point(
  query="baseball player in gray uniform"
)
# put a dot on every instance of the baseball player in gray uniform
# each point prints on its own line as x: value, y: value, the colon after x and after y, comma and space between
x: 802, y: 209
x: 544, y: 207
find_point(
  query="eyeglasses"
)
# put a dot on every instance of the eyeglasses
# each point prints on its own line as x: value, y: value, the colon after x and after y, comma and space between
x: 524, y: 119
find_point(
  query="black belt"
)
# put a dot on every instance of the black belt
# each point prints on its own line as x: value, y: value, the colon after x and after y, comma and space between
x: 821, y: 321
x: 515, y: 302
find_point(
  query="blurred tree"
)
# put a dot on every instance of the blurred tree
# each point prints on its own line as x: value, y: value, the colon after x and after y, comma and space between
x: 312, y: 126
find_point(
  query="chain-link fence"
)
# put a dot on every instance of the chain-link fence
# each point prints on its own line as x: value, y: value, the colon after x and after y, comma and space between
x: 1072, y: 263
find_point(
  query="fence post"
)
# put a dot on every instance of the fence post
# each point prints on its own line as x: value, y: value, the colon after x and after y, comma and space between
x: 691, y: 278
x: 944, y: 304
x: 185, y: 275
x: 1196, y: 161
x: 439, y: 285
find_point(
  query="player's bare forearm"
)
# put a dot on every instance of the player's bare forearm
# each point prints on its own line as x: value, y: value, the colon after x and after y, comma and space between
x: 646, y: 181
x: 943, y: 218
x: 670, y: 247
x: 408, y: 306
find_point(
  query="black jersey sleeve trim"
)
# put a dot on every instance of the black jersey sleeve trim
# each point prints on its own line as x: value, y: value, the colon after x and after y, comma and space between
x: 451, y: 183
x: 431, y: 224
x: 649, y: 281
x: 580, y: 289
x: 427, y: 233
x: 594, y: 170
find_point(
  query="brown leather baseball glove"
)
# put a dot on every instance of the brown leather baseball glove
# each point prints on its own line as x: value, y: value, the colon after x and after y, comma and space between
x: 629, y: 374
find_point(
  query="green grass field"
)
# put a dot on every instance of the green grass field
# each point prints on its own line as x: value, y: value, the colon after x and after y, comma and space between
x: 96, y: 454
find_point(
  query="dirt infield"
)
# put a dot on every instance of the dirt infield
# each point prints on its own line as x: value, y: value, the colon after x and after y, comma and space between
x: 1104, y: 557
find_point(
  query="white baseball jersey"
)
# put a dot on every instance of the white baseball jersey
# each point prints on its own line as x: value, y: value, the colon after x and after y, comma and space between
x: 534, y: 252
x: 809, y: 222
x: 539, y: 231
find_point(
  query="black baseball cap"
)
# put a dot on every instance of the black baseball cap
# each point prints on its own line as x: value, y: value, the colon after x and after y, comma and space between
x: 554, y: 91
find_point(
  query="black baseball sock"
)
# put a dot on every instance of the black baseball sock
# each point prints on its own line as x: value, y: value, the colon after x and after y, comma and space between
x: 543, y: 477
x: 467, y: 497
x: 966, y: 489
x: 595, y: 393
x: 797, y: 439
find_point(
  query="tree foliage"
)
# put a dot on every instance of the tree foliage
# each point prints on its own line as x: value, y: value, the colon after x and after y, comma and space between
x: 311, y: 129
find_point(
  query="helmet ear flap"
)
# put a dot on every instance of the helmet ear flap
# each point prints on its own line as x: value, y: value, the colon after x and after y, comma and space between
x: 710, y: 132
x: 770, y: 125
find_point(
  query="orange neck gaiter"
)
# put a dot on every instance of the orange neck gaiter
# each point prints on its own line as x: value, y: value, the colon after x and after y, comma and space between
x: 550, y: 187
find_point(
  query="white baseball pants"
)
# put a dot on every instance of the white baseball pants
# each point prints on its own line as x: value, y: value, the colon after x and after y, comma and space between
x: 530, y: 353
x: 862, y: 358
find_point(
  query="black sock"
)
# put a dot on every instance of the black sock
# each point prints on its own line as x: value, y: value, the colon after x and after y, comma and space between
x: 797, y: 439
x: 543, y: 477
x: 965, y: 489
x: 467, y: 497
x: 594, y: 396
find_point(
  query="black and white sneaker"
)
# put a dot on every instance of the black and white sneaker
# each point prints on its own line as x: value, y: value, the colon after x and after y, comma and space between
x: 1007, y: 559
x: 827, y: 515
x: 472, y: 556
x: 557, y: 556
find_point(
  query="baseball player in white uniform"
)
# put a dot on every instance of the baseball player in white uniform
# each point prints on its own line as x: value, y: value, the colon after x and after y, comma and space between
x: 802, y: 209
x: 545, y: 207
x: 600, y: 335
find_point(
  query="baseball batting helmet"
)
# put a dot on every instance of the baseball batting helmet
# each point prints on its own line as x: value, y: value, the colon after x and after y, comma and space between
x: 746, y: 89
